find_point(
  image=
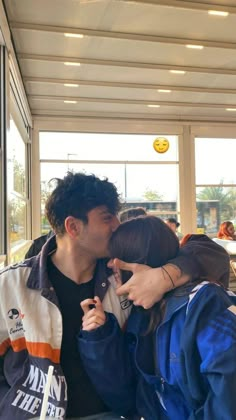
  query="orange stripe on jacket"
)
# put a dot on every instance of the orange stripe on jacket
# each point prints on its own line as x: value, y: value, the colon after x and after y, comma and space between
x: 42, y: 350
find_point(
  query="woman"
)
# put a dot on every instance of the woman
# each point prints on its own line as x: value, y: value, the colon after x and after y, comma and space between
x: 175, y: 361
x: 227, y: 231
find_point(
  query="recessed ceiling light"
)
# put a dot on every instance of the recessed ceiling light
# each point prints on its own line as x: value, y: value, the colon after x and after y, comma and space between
x: 71, y: 63
x: 154, y: 106
x: 70, y: 102
x: 164, y: 90
x: 194, y: 47
x: 231, y: 109
x: 218, y: 13
x: 71, y: 85
x: 73, y: 35
x: 177, y: 71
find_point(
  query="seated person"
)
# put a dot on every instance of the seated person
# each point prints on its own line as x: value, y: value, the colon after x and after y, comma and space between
x: 227, y: 231
x: 172, y: 223
x: 185, y: 239
x: 177, y: 360
x: 131, y: 213
x: 37, y: 244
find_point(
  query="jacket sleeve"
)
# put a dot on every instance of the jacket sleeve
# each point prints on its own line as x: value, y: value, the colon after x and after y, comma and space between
x: 105, y: 356
x: 4, y: 345
x: 216, y: 343
x: 202, y: 257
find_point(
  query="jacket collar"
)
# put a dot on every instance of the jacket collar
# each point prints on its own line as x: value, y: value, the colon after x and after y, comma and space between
x: 173, y: 304
x: 38, y: 278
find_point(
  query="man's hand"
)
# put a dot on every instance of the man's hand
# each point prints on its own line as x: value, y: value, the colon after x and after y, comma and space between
x: 95, y: 317
x: 145, y: 287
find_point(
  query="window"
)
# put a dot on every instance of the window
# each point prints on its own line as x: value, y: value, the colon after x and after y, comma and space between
x: 140, y: 174
x: 215, y: 183
x: 17, y: 198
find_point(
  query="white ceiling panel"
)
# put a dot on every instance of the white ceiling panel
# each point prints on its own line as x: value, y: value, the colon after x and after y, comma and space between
x: 56, y: 44
x: 126, y: 16
x: 46, y: 69
x: 56, y: 89
x: 55, y: 105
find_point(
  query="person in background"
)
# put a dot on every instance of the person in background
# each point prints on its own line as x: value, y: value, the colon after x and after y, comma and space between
x: 37, y: 244
x: 186, y: 238
x: 176, y: 360
x: 173, y: 224
x: 131, y: 213
x: 226, y: 231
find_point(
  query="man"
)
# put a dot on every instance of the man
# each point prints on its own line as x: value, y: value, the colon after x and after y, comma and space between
x: 40, y: 313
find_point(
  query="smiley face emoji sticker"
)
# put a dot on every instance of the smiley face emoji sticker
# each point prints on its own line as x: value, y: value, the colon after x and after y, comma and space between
x: 161, y: 145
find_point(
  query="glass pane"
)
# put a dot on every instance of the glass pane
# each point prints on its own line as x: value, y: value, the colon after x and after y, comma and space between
x: 152, y: 182
x: 17, y: 219
x: 2, y: 261
x: 90, y: 146
x: 154, y: 187
x: 18, y: 252
x: 214, y: 206
x: 16, y: 160
x: 215, y: 161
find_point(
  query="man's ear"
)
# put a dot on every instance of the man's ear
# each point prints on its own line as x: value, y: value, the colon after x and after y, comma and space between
x: 73, y: 226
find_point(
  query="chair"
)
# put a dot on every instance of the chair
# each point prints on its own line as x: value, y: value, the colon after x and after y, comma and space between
x: 232, y: 275
x: 230, y: 247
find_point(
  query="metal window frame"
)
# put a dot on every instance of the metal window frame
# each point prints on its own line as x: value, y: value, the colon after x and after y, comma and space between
x: 3, y: 169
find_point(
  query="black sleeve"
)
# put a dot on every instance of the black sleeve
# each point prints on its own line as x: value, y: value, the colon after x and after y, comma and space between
x: 36, y: 246
x: 4, y: 387
x: 202, y: 257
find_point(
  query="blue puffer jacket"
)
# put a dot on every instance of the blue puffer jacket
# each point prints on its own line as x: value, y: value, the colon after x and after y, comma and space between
x: 194, y: 373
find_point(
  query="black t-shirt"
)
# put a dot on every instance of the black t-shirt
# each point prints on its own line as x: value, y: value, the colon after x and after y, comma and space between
x: 83, y: 399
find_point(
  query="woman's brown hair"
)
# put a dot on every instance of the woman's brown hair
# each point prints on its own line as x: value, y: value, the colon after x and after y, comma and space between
x: 223, y: 232
x: 145, y: 240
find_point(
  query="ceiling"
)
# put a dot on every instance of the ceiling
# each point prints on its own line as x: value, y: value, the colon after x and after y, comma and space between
x: 124, y: 53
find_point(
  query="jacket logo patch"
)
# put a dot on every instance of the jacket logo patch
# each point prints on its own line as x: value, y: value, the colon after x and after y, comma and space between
x: 232, y: 308
x: 125, y: 304
x: 15, y: 314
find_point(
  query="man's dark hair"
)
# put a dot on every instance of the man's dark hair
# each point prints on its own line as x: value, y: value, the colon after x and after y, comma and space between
x: 75, y: 195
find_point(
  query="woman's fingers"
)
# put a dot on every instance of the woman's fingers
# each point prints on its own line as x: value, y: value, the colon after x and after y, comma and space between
x: 86, y: 304
x: 95, y: 317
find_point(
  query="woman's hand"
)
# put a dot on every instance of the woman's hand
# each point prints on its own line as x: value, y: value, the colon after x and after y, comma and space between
x: 95, y: 317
